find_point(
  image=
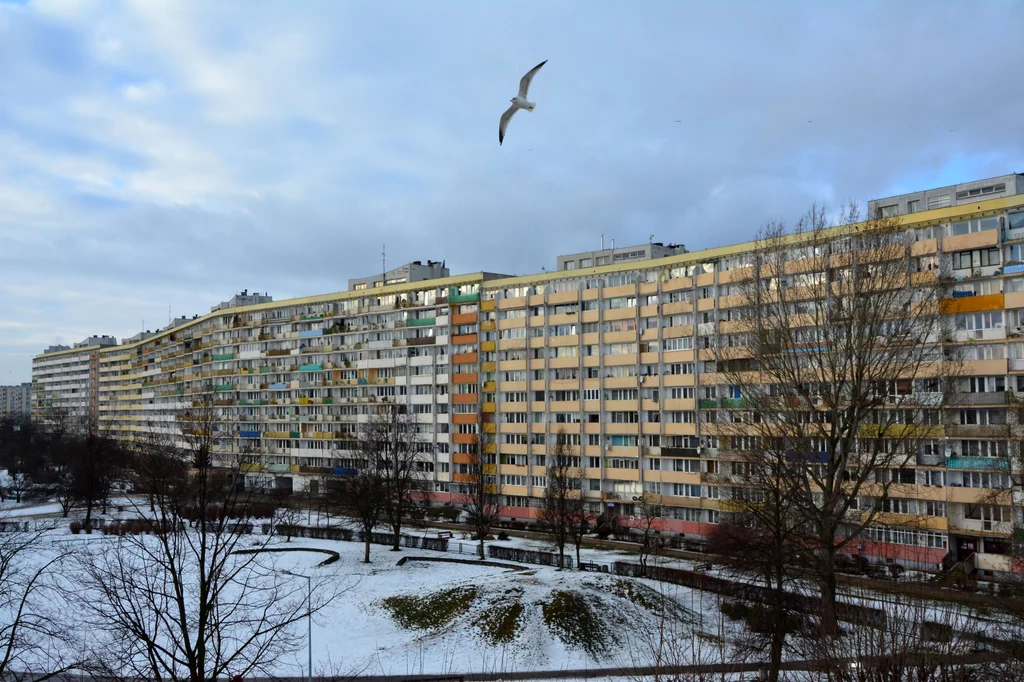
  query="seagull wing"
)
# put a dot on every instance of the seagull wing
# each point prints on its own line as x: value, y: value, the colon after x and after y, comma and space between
x: 524, y: 84
x: 505, y: 118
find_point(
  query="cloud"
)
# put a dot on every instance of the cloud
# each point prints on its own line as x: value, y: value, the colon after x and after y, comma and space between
x: 165, y: 154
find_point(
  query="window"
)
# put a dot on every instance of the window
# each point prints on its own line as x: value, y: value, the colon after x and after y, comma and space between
x: 685, y: 490
x: 942, y: 201
x: 889, y: 211
x: 570, y: 265
x: 913, y: 206
x: 981, y: 191
x: 977, y: 258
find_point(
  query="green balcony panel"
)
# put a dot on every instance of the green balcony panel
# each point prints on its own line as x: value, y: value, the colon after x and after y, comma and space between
x: 224, y: 356
x: 421, y: 322
x: 310, y: 368
x: 328, y: 401
x: 224, y: 387
x: 294, y: 434
x: 981, y: 463
x: 707, y: 403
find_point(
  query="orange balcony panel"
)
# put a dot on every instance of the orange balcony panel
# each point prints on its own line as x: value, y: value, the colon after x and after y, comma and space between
x: 462, y: 458
x: 465, y: 378
x: 972, y: 304
x: 464, y: 318
x: 463, y: 478
x: 464, y: 338
x: 464, y: 419
x: 464, y: 438
x: 973, y: 240
x: 464, y: 398
x: 463, y: 358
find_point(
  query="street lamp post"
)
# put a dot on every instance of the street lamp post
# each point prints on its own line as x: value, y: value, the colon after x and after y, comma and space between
x: 309, y: 620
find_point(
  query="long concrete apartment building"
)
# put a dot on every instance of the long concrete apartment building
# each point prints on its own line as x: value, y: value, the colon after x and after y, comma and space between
x: 65, y: 381
x: 620, y: 357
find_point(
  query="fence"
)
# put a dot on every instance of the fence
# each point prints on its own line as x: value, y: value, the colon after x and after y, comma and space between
x: 747, y: 592
x: 32, y: 524
x: 528, y: 556
x: 348, y: 535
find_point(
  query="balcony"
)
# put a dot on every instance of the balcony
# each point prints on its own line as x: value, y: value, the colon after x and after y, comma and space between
x: 977, y: 431
x: 248, y: 434
x: 981, y: 463
x: 707, y: 403
x: 993, y: 398
x: 223, y: 356
x: 310, y: 368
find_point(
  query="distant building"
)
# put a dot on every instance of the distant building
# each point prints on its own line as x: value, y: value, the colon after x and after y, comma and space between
x: 242, y: 299
x: 415, y: 271
x: 16, y: 400
x: 614, y: 256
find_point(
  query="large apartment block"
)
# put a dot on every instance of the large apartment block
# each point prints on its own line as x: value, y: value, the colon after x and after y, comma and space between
x: 621, y: 358
x: 65, y: 383
x: 15, y: 401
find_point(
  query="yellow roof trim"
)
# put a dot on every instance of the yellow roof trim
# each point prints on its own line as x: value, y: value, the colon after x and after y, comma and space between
x: 921, y: 219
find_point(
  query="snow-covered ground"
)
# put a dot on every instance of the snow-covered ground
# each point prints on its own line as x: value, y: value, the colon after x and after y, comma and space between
x: 478, y: 617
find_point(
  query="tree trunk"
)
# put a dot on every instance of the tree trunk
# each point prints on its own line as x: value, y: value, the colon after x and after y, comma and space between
x: 578, y: 562
x: 366, y: 549
x: 829, y: 620
x: 88, y: 513
x: 397, y: 543
x: 778, y: 637
x: 481, y: 545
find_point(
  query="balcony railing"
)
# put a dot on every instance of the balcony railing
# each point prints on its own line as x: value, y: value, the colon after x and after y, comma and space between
x: 982, y: 463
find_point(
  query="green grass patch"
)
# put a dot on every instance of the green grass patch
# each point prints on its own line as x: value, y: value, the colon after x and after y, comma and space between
x: 430, y: 611
x: 499, y: 623
x: 570, y: 617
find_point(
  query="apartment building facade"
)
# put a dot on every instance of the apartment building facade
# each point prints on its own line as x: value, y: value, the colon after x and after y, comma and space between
x: 65, y: 383
x: 620, y: 359
x: 16, y: 401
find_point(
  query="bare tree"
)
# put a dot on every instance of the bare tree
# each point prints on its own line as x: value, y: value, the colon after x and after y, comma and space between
x: 360, y: 494
x: 481, y: 499
x: 96, y: 462
x: 563, y: 488
x: 651, y: 523
x: 390, y: 439
x: 197, y: 604
x: 666, y: 632
x: 838, y: 328
x: 30, y: 638
x: 581, y: 519
x: 916, y: 641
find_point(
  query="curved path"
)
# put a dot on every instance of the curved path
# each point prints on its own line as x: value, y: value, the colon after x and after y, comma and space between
x: 332, y: 556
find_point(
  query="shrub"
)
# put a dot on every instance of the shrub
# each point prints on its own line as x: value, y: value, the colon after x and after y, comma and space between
x: 76, y: 527
x: 734, y: 610
x: 503, y: 536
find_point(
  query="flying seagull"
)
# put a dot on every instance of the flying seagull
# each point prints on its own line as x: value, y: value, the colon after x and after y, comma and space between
x: 519, y: 101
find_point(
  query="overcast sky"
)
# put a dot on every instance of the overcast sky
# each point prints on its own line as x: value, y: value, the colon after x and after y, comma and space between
x: 167, y: 154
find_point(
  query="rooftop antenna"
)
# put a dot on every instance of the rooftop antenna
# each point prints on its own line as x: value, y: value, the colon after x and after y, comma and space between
x: 650, y: 239
x: 383, y: 264
x: 602, y: 241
